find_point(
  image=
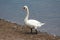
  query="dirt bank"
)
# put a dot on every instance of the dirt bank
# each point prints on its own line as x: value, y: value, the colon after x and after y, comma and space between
x: 13, y: 31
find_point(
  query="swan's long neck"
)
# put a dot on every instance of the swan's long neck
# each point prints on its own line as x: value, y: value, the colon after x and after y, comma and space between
x: 27, y: 16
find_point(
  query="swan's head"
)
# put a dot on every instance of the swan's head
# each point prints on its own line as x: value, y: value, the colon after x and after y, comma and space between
x: 25, y: 7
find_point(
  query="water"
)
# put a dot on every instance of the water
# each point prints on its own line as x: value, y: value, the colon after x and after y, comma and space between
x: 47, y: 11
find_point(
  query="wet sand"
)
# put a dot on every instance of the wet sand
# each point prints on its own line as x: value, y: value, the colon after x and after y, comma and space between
x: 13, y: 31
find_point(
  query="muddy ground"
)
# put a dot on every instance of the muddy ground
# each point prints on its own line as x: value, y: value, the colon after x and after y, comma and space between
x: 13, y: 31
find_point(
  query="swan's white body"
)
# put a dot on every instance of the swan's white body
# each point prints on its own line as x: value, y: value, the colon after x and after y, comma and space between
x: 30, y: 22
x: 33, y: 23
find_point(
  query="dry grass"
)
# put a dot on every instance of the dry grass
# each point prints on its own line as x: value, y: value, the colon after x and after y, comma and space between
x: 13, y: 31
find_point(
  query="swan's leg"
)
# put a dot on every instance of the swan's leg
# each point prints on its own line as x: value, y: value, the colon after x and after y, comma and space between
x: 31, y: 30
x: 36, y: 31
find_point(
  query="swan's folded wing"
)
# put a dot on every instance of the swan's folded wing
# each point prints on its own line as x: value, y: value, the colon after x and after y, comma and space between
x: 35, y: 23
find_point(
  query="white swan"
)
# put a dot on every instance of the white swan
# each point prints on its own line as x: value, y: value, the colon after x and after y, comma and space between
x: 30, y: 22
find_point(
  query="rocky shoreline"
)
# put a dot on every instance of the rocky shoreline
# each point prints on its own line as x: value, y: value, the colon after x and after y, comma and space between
x: 13, y: 31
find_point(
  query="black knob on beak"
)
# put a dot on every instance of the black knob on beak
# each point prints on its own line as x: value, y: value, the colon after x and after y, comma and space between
x: 23, y: 7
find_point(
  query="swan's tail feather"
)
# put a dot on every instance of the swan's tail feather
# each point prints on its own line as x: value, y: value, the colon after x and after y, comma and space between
x: 42, y: 23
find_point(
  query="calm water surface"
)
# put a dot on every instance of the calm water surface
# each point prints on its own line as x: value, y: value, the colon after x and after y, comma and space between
x: 47, y: 11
